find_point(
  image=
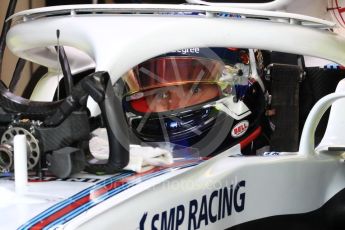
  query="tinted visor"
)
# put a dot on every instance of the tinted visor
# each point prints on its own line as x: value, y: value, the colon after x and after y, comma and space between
x: 169, y: 83
x: 167, y: 71
x: 182, y: 79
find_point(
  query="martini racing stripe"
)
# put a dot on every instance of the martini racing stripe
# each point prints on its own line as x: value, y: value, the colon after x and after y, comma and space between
x: 99, y: 197
x: 74, y: 198
x: 113, y: 189
x: 110, y: 193
x: 88, y: 198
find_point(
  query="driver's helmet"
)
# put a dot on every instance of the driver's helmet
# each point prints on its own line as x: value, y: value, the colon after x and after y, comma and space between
x: 200, y: 98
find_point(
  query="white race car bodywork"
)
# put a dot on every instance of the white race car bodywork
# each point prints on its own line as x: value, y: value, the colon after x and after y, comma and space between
x: 217, y: 193
x: 256, y: 188
x: 332, y: 10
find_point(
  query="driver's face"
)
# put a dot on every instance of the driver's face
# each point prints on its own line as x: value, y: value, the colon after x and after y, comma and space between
x: 180, y: 96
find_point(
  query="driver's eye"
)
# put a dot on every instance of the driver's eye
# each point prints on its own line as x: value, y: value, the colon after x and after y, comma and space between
x: 195, y: 89
x: 162, y: 95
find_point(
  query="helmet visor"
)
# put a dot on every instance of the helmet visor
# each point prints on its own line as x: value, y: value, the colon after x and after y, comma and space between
x: 167, y: 71
x: 169, y: 83
x: 176, y: 80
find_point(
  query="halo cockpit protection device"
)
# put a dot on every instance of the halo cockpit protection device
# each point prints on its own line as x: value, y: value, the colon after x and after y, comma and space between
x: 199, y: 98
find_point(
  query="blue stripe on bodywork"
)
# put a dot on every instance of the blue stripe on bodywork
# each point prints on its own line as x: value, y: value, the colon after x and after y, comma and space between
x: 100, y: 199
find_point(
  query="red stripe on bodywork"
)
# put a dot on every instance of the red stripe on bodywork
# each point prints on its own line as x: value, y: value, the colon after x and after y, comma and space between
x: 245, y: 142
x: 97, y: 193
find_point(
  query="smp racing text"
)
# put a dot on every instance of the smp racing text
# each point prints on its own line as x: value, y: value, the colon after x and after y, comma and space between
x: 203, y: 211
